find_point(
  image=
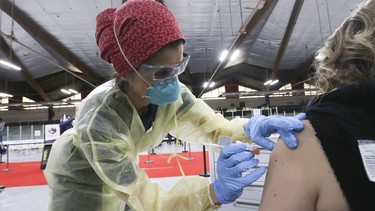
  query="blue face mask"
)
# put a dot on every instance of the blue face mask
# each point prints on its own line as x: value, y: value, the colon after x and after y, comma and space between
x: 162, y: 93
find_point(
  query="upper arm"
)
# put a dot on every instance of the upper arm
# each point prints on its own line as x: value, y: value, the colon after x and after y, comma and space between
x: 292, y: 181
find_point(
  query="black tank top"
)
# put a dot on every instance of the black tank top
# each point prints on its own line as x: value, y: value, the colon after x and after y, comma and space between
x: 340, y: 118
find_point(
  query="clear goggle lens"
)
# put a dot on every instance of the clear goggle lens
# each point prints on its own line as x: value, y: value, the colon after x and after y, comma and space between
x: 165, y: 72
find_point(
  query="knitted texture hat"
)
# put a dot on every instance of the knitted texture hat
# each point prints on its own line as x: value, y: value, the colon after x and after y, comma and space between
x: 142, y: 28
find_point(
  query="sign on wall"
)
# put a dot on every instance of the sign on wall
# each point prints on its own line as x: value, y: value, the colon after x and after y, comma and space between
x: 256, y: 112
x: 51, y: 132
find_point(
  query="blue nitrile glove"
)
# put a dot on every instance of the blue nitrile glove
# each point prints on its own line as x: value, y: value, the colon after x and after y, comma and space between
x: 301, y: 116
x: 232, y: 162
x: 260, y: 127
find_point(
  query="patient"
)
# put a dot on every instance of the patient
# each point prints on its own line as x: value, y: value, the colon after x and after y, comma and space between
x: 326, y: 171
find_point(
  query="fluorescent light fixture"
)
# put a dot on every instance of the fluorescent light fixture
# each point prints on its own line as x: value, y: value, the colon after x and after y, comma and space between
x: 205, y: 84
x: 267, y: 82
x: 212, y: 84
x: 223, y: 55
x: 5, y: 95
x: 271, y: 82
x: 65, y: 91
x: 73, y: 91
x: 8, y: 64
x: 235, y: 55
x: 274, y: 82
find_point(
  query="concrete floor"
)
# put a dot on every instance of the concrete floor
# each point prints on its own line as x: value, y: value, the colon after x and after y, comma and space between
x: 35, y: 198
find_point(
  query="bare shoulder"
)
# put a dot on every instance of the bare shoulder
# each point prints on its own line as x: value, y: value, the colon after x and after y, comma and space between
x: 297, y: 179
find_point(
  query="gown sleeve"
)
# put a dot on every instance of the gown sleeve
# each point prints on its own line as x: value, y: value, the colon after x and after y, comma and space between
x: 198, y: 123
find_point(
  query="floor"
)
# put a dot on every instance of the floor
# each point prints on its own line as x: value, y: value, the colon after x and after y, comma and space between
x: 35, y: 198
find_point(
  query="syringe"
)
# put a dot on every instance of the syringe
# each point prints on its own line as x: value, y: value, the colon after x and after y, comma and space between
x: 250, y: 148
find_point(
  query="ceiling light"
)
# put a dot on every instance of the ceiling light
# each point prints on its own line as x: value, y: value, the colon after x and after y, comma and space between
x: 8, y: 64
x: 223, y: 55
x: 274, y: 82
x: 65, y: 91
x: 267, y: 82
x: 235, y: 55
x: 205, y: 84
x: 212, y: 84
x: 271, y: 82
x: 73, y: 91
x: 5, y: 95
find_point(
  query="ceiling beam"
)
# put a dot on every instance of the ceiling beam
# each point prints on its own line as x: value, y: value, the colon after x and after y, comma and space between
x: 263, y: 8
x: 288, y: 33
x: 24, y: 71
x: 44, y: 38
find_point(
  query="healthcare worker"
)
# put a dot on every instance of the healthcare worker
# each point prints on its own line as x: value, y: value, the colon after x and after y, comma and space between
x: 94, y: 165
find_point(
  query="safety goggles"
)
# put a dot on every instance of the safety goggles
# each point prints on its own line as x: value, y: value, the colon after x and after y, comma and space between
x: 165, y: 72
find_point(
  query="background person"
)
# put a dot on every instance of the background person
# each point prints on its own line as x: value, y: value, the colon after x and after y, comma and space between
x: 3, y: 149
x: 94, y: 165
x: 333, y: 167
x: 65, y: 124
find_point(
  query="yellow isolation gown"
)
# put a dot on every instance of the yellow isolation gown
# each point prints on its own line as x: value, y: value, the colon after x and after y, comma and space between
x: 94, y: 165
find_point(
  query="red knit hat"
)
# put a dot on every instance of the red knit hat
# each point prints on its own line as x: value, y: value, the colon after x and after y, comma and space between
x: 142, y: 28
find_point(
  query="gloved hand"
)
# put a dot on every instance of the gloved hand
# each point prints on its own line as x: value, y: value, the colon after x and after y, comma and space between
x: 301, y: 116
x: 260, y: 127
x: 232, y: 162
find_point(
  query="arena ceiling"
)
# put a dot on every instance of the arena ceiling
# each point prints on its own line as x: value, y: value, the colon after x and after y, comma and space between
x: 54, y: 43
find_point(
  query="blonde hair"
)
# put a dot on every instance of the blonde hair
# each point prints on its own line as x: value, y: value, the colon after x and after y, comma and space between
x: 348, y: 56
